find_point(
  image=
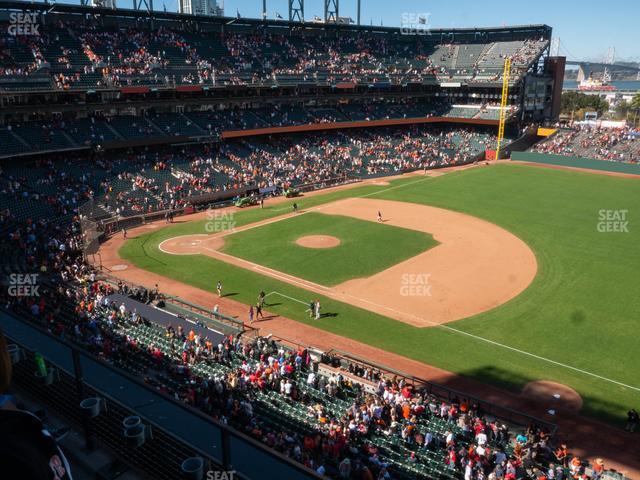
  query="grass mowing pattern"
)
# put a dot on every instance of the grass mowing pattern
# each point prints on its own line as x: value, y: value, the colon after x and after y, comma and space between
x: 581, y: 310
x: 363, y: 251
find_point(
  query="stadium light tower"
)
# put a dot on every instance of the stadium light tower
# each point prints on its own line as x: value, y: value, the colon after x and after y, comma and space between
x: 358, y: 10
x: 331, y: 10
x: 137, y: 4
x: 296, y: 10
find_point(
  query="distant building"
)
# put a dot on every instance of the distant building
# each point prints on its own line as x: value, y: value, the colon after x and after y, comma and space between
x: 340, y: 20
x: 104, y: 3
x: 201, y: 7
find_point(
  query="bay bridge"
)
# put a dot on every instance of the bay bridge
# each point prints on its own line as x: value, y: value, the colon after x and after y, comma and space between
x: 586, y: 68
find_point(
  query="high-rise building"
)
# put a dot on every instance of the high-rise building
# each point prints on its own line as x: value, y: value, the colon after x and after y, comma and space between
x: 201, y: 7
x: 104, y: 3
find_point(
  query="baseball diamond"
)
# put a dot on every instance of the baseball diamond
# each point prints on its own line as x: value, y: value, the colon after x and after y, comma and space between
x: 494, y: 266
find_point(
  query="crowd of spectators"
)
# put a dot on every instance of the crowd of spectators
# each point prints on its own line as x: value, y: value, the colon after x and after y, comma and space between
x: 529, y: 49
x: 131, y: 56
x: 27, y: 46
x: 56, y: 190
x: 292, y: 161
x: 611, y: 144
x: 146, y: 180
x: 59, y: 132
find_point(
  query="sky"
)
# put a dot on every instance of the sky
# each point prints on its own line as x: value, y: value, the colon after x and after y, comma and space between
x: 587, y: 28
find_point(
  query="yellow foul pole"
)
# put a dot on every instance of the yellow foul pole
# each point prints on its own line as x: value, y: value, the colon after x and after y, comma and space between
x: 503, y: 103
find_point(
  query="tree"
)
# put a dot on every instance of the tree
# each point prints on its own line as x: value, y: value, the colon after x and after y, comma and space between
x: 634, y: 106
x: 572, y: 102
x: 622, y: 109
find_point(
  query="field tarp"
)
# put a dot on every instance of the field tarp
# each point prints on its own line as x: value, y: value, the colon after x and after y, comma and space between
x: 577, y: 162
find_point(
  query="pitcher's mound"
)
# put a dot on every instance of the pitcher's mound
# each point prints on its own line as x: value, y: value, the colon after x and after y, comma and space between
x: 318, y: 241
x: 553, y: 396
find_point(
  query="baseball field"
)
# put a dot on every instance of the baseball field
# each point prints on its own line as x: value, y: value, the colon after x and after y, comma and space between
x: 507, y: 274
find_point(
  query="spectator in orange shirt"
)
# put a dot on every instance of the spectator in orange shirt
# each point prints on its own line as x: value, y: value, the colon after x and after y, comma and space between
x: 574, y: 466
x: 562, y: 454
x: 598, y: 468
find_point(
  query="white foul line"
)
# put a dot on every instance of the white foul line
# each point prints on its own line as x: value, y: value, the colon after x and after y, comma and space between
x: 287, y: 277
x: 540, y: 358
x: 286, y: 296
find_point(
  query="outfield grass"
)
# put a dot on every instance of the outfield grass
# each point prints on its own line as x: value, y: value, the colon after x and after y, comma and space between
x: 363, y: 250
x: 581, y: 310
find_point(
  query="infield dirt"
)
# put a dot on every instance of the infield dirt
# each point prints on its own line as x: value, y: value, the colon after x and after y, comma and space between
x: 476, y: 267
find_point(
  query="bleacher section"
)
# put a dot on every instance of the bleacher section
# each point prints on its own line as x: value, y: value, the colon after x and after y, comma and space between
x: 612, y: 144
x: 176, y: 124
x: 60, y: 134
x: 145, y: 181
x: 43, y: 135
x: 11, y: 144
x: 129, y: 126
x: 463, y: 112
x: 79, y: 57
x: 89, y: 131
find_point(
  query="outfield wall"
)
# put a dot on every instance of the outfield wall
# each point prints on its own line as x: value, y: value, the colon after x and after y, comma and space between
x: 577, y: 162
